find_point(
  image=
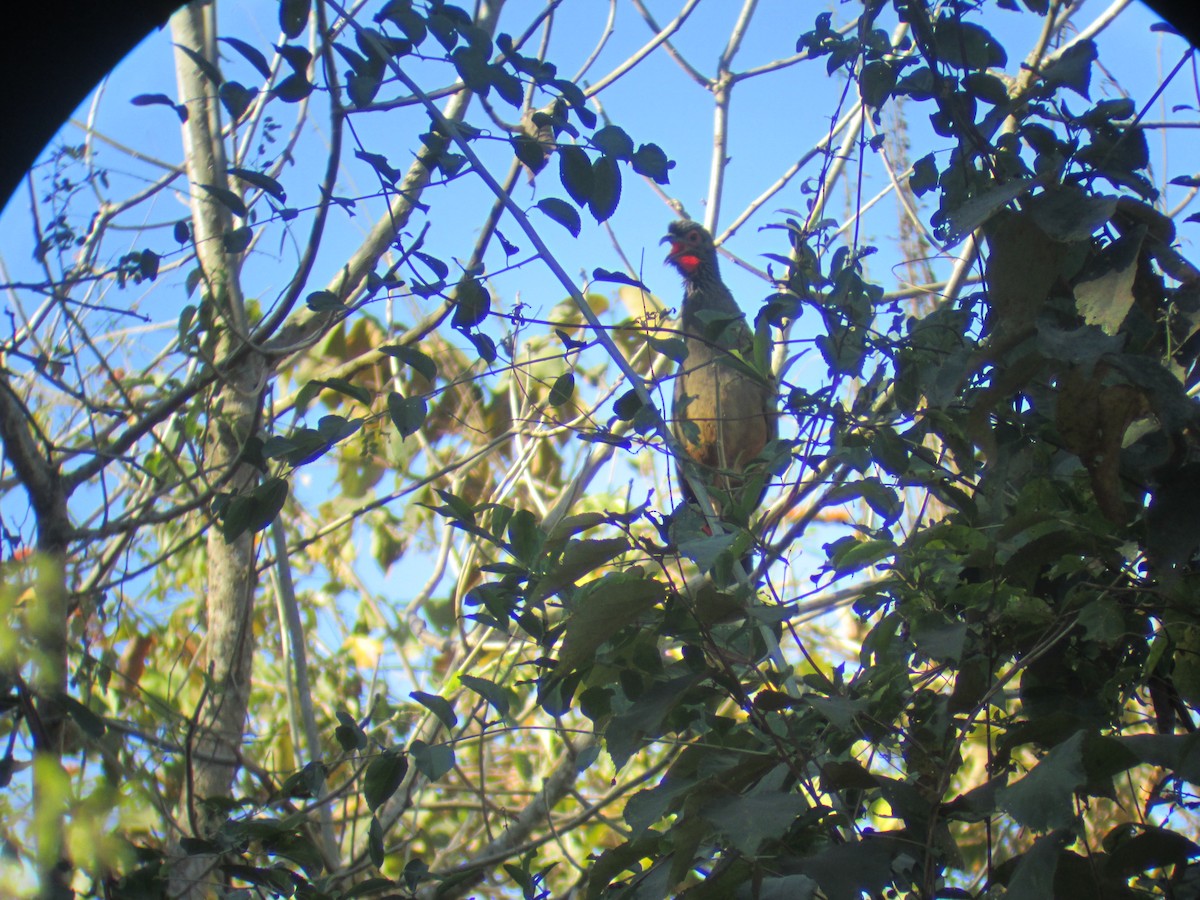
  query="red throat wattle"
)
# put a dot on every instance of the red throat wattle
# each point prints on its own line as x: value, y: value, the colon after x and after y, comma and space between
x: 688, y: 262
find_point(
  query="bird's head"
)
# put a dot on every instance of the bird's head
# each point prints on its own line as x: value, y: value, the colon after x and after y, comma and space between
x: 692, y: 250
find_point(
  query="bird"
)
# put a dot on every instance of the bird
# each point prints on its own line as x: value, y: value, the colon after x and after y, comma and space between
x: 723, y: 413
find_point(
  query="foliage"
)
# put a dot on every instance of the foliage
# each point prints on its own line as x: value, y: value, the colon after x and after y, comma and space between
x: 564, y: 685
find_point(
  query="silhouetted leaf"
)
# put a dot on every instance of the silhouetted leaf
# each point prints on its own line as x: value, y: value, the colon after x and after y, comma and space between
x: 876, y: 81
x: 562, y: 390
x: 529, y: 151
x: 575, y: 172
x: 252, y: 55
x: 614, y: 142
x: 207, y: 69
x: 652, y: 162
x: 226, y: 198
x: 261, y: 181
x: 238, y: 240
x: 161, y: 100
x: 563, y: 213
x: 606, y: 188
x: 1073, y: 69
x: 471, y: 304
x: 293, y: 17
x: 237, y: 99
x: 617, y: 278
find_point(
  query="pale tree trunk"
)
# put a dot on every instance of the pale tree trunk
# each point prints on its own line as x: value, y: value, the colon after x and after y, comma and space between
x: 218, y: 724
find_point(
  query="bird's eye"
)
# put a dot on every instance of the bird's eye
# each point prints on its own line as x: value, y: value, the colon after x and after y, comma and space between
x: 694, y: 237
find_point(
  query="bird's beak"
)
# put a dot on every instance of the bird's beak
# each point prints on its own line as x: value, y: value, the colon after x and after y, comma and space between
x: 670, y: 239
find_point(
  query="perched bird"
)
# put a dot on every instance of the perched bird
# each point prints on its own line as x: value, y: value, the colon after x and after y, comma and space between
x: 723, y: 413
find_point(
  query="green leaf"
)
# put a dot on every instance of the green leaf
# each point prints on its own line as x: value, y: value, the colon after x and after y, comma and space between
x: 438, y: 706
x: 408, y: 413
x: 507, y: 85
x: 375, y: 844
x: 524, y: 536
x: 499, y: 697
x: 324, y: 301
x: 579, y: 559
x: 672, y: 348
x: 432, y: 760
x: 609, y: 604
x: 606, y: 189
x: 575, y: 172
x: 974, y: 212
x: 384, y: 776
x: 380, y: 164
x: 254, y: 511
x: 766, y: 812
x: 1179, y: 753
x: 937, y: 638
x: 1034, y: 874
x: 349, y: 734
x: 563, y: 213
x: 867, y: 865
x: 855, y: 555
x: 342, y: 386
x: 307, y: 783
x: 402, y: 15
x: 88, y: 721
x: 1105, y: 297
x: 1066, y: 213
x: 415, y: 359
x: 1044, y: 799
x: 562, y: 390
x: 415, y: 871
x: 1133, y: 849
x: 643, y: 721
x: 148, y: 264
